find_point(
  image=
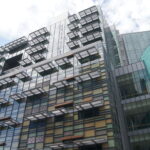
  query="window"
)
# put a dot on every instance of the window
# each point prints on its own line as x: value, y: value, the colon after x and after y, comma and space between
x: 12, y: 62
x: 91, y: 147
x: 59, y: 118
x: 88, y: 113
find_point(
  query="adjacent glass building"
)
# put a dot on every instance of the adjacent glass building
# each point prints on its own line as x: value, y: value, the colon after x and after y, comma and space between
x: 134, y: 86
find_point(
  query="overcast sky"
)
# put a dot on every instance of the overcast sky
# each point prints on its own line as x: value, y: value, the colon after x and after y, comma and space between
x: 20, y: 17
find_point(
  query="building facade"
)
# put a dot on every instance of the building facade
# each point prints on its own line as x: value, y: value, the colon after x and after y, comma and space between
x: 57, y: 88
x: 134, y: 86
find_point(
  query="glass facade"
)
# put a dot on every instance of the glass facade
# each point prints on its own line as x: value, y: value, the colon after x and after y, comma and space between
x: 133, y: 83
x: 55, y: 89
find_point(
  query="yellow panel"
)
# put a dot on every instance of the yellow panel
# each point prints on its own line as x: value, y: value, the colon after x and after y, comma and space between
x: 24, y: 137
x: 89, y: 133
x: 110, y: 133
x: 100, y: 124
x: 26, y: 123
x: 48, y: 139
x: 58, y: 131
x: 107, y: 107
x: 97, y: 91
x: 60, y: 101
x: 89, y: 124
x: 49, y: 131
x: 87, y: 93
x: 109, y: 121
x: 103, y: 77
x: 51, y: 108
x: 75, y: 117
x: 39, y: 146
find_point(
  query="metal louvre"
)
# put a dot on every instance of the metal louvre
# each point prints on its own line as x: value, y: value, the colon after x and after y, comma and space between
x: 77, y: 78
x: 91, y: 53
x: 42, y: 31
x: 37, y: 49
x: 37, y: 116
x: 23, y: 76
x: 34, y: 91
x: 16, y: 44
x: 73, y: 18
x: 91, y: 38
x: 39, y: 40
x: 73, y: 35
x: 3, y: 101
x: 8, y: 121
x: 88, y: 105
x: 77, y: 107
x: 38, y: 57
x: 88, y: 11
x: 89, y: 19
x: 25, y: 62
x: 73, y: 44
x: 78, y: 143
x: 63, y: 63
x: 17, y: 96
x: 46, y: 69
x: 92, y: 27
x: 7, y: 82
x: 73, y: 26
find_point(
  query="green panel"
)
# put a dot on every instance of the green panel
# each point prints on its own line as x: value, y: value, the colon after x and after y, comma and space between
x: 146, y: 59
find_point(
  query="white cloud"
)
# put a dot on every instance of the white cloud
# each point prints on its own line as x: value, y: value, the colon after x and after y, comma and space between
x: 20, y: 17
x: 128, y: 15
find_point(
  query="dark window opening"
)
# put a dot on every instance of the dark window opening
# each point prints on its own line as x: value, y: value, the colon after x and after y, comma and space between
x: 91, y: 147
x: 12, y: 62
x: 88, y: 113
x: 18, y: 48
x: 59, y: 118
x: 139, y: 121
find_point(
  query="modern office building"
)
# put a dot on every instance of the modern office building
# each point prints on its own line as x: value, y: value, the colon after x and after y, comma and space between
x: 75, y: 85
x: 56, y: 88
